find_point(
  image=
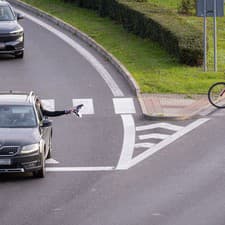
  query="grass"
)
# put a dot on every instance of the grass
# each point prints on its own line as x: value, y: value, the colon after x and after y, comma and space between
x: 152, y: 67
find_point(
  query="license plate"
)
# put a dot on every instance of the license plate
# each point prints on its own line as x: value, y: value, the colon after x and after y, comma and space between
x: 2, y: 45
x: 5, y: 162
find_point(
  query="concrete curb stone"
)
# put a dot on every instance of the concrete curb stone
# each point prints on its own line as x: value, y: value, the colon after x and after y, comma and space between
x: 201, y: 111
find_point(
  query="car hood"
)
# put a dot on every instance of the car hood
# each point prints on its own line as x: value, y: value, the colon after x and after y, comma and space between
x: 19, y: 136
x: 8, y: 26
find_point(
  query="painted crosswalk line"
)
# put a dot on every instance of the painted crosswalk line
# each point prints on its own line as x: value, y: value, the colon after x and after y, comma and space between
x: 48, y: 104
x: 88, y: 107
x: 124, y: 105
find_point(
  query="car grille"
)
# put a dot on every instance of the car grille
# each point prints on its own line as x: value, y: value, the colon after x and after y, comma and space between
x: 8, y: 150
x: 8, y: 37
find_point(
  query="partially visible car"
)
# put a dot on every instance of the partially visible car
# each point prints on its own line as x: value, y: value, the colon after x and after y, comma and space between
x: 11, y: 32
x: 25, y: 134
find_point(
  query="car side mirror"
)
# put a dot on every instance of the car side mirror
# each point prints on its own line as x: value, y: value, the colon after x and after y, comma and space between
x: 46, y: 123
x: 19, y: 16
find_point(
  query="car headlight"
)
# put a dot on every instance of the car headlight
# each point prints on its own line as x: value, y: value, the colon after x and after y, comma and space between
x: 17, y: 32
x: 30, y: 148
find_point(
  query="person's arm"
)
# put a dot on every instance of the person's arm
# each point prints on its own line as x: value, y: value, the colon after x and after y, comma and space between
x: 55, y: 113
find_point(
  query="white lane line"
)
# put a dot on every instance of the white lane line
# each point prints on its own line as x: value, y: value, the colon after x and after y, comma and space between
x: 128, y: 142
x: 154, y: 135
x: 88, y: 108
x: 159, y: 125
x: 166, y: 142
x: 48, y: 104
x: 124, y: 105
x: 117, y: 92
x: 78, y: 169
x: 144, y: 145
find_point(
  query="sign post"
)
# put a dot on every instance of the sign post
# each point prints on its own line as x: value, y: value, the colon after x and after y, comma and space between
x: 210, y: 8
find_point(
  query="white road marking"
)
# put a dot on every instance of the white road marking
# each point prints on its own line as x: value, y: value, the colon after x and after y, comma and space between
x: 124, y: 105
x: 88, y: 107
x: 48, y: 104
x: 51, y: 161
x: 144, y: 145
x: 155, y: 136
x: 128, y: 142
x: 78, y: 169
x: 166, y: 142
x: 117, y: 92
x: 159, y: 125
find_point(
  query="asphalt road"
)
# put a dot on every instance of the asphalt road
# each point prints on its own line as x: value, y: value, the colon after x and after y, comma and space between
x: 177, y: 180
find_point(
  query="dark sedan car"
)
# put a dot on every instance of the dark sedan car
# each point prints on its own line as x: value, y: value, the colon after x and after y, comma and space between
x: 11, y: 32
x: 25, y: 135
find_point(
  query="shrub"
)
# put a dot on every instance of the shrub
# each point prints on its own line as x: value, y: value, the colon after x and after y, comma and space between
x: 149, y: 21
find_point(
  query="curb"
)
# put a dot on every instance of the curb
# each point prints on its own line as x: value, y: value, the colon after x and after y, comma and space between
x: 109, y: 57
x: 84, y: 37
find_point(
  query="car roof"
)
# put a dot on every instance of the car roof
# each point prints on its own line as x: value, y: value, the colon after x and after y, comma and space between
x: 4, y: 3
x: 17, y: 98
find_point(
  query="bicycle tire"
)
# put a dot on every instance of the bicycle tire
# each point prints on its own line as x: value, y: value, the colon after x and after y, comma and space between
x: 216, y: 95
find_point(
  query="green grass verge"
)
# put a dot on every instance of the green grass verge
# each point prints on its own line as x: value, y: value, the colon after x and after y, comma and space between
x: 152, y: 67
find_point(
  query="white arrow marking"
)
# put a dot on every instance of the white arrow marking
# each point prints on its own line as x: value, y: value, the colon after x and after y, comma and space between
x: 159, y: 125
x: 155, y: 135
x: 51, y: 161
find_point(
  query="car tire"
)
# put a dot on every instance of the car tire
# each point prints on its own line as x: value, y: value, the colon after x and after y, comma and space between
x: 19, y: 55
x: 40, y: 173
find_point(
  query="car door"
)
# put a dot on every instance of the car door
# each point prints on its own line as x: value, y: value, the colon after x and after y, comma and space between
x: 44, y: 131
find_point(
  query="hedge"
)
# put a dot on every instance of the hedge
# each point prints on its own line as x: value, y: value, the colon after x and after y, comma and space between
x: 148, y: 21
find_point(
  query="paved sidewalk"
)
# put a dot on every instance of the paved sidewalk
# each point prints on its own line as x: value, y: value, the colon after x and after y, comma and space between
x: 174, y: 107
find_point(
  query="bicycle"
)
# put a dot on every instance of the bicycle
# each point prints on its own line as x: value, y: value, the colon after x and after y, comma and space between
x: 216, y: 95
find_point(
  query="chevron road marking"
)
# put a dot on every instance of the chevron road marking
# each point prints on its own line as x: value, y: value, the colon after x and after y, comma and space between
x: 155, y: 136
x: 159, y: 125
x: 166, y: 142
x: 144, y: 145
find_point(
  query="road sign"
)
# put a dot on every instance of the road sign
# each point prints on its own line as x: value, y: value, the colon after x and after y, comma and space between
x: 209, y: 7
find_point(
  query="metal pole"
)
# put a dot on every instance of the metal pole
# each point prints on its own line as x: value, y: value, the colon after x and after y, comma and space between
x: 205, y: 38
x: 215, y: 39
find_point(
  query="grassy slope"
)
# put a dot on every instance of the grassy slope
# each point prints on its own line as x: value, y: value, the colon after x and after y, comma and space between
x: 154, y: 70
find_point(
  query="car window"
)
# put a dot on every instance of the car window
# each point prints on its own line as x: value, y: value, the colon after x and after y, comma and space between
x: 17, y: 116
x: 6, y: 14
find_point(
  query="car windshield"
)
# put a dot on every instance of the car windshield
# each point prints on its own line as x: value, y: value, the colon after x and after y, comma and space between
x: 6, y: 14
x: 17, y: 116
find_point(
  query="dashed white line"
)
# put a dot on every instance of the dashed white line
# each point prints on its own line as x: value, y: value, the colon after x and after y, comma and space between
x: 124, y: 105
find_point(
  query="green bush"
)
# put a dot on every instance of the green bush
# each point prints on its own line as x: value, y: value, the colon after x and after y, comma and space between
x: 148, y: 21
x: 187, y: 7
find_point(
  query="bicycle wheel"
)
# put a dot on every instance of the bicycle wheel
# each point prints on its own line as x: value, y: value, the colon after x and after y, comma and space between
x: 216, y: 95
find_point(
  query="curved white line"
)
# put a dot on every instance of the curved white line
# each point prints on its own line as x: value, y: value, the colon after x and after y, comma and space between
x: 117, y: 92
x: 128, y: 142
